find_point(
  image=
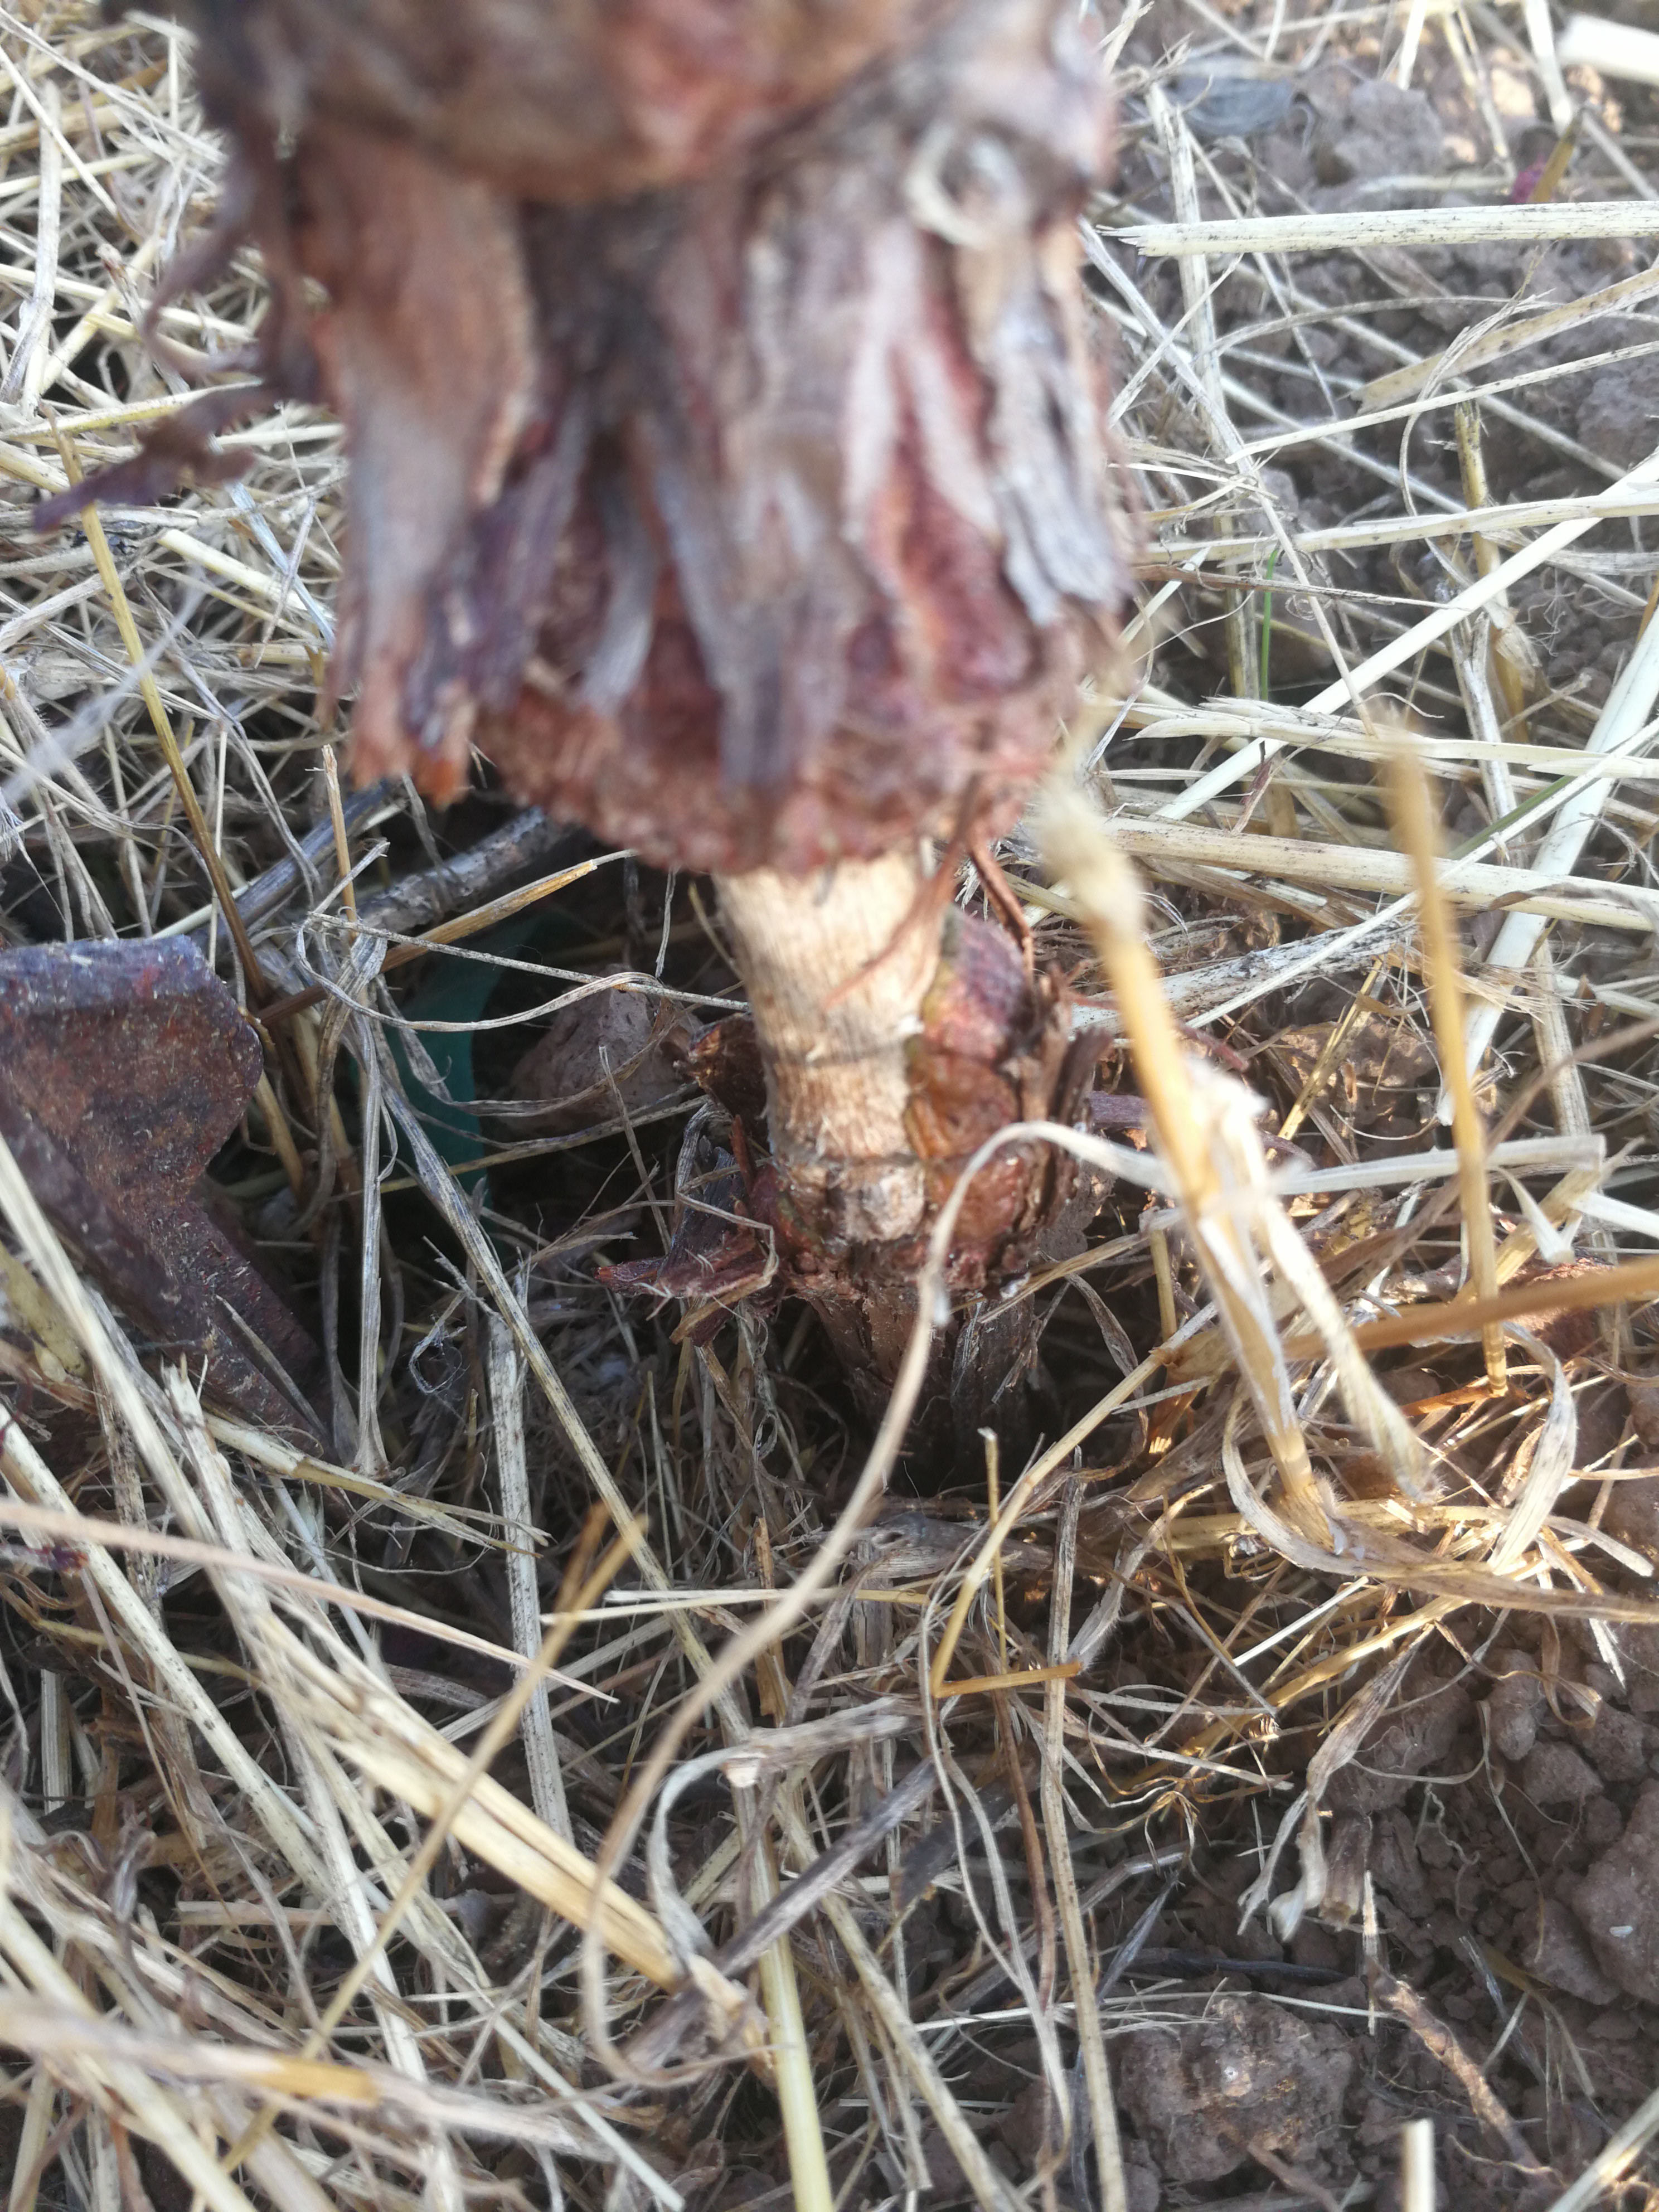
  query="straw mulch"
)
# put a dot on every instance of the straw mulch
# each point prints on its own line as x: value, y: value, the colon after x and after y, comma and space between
x: 603, y: 1772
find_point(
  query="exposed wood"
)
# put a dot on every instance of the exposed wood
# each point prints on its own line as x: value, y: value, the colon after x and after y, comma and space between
x: 838, y: 964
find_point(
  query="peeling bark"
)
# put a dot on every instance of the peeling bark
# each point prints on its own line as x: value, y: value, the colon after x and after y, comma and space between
x: 548, y: 100
x: 752, y: 518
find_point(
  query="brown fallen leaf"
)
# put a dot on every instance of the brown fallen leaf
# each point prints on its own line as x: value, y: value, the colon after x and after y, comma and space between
x: 613, y: 1048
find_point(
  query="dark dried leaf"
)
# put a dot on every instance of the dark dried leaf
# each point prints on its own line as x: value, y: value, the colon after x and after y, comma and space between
x: 123, y: 1068
x: 178, y: 447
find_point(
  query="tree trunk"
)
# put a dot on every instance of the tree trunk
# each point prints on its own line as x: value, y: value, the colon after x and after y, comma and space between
x: 725, y: 462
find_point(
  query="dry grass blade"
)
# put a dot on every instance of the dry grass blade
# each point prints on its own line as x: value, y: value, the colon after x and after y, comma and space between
x: 1188, y: 1125
x: 406, y: 1756
x: 625, y: 1766
x: 1316, y: 233
x: 1414, y: 823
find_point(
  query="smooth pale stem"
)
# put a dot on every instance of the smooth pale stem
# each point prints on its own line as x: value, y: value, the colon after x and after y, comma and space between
x: 1616, y: 49
x: 1408, y: 228
x: 1416, y: 2167
x: 836, y: 965
x: 803, y: 2136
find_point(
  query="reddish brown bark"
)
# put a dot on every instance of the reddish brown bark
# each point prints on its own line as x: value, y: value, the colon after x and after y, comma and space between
x: 752, y: 519
x: 548, y: 100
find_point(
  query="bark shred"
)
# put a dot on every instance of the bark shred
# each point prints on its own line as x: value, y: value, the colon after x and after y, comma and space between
x: 724, y: 458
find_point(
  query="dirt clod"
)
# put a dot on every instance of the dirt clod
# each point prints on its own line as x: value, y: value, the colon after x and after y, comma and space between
x: 1556, y: 1952
x: 1381, y: 131
x: 1414, y: 1739
x: 1555, y: 1774
x: 1250, y: 2073
x: 1515, y: 1705
x: 613, y: 1050
x: 1617, y: 1903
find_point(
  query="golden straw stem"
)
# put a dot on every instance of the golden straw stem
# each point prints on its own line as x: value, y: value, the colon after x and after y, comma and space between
x: 1164, y: 1275
x: 1107, y: 892
x: 342, y: 839
x: 992, y: 1506
x: 1477, y: 493
x: 1414, y: 825
x: 150, y: 692
x: 791, y: 2055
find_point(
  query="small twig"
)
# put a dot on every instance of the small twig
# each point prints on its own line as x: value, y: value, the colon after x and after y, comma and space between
x: 1442, y: 2043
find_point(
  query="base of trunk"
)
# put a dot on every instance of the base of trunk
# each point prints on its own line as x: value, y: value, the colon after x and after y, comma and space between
x: 890, y: 1034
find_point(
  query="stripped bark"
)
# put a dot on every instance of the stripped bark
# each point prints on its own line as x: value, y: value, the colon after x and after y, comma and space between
x: 837, y: 966
x: 725, y: 464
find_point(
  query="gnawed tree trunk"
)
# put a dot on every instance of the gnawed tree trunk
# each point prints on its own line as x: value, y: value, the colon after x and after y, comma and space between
x: 725, y: 464
x: 837, y: 965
